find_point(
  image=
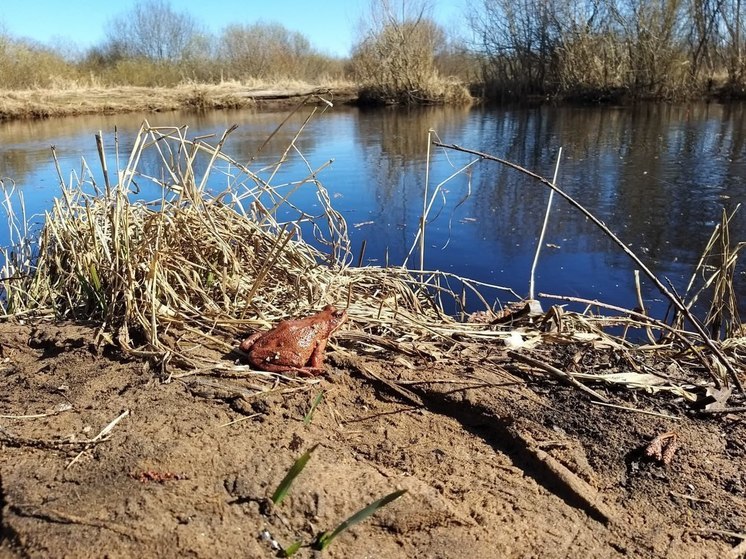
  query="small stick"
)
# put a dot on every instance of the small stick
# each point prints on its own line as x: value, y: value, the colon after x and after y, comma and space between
x: 100, y: 437
x: 424, y: 200
x: 362, y: 253
x: 240, y: 419
x: 585, y: 492
x: 736, y: 409
x: 726, y: 533
x: 689, y: 497
x: 62, y: 408
x: 557, y: 373
x: 531, y: 291
x: 102, y: 157
x: 641, y: 304
x: 59, y: 517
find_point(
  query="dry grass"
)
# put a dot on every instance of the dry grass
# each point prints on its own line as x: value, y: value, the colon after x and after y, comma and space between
x: 71, y: 99
x: 196, y: 269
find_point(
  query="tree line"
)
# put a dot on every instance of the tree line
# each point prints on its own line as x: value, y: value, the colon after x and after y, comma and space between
x: 510, y: 49
x: 645, y: 49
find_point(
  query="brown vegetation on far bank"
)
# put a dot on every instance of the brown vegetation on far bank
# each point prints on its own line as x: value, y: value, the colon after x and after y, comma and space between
x: 43, y: 103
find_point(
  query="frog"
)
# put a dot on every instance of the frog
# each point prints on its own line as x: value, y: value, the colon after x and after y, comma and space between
x: 294, y: 345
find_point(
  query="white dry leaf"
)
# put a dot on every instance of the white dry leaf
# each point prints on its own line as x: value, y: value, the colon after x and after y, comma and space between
x: 521, y: 340
x: 164, y: 310
x: 514, y: 341
x: 404, y: 363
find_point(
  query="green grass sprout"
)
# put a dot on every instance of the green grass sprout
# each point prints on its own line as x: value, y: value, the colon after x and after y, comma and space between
x: 292, y: 549
x: 293, y: 472
x: 316, y: 401
x: 324, y: 539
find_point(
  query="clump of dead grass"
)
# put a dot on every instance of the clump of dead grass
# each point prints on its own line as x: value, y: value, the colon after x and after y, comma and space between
x: 180, y: 277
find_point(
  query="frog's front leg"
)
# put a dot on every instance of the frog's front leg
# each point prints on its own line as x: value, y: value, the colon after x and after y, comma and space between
x: 316, y: 361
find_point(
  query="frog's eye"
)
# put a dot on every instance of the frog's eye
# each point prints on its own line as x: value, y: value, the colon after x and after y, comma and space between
x: 338, y: 314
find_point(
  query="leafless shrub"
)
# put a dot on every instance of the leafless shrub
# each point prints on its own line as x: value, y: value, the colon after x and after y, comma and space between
x: 25, y: 64
x: 395, y: 60
x: 668, y: 49
x: 270, y: 51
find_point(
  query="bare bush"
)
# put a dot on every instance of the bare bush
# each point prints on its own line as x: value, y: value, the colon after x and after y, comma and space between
x: 663, y: 49
x: 154, y: 31
x: 395, y: 60
x: 26, y: 64
x: 270, y: 51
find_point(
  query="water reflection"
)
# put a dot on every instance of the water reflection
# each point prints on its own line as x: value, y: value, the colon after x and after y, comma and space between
x: 658, y: 175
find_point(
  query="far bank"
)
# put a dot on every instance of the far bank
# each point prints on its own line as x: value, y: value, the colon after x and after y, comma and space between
x: 45, y: 103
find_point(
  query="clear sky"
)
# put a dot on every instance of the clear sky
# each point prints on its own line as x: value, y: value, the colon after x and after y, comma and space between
x: 330, y: 25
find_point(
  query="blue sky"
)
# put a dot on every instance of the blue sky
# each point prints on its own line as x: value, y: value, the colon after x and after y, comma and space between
x: 329, y: 25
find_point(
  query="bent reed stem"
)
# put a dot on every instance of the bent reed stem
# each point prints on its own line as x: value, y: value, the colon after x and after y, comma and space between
x: 675, y: 299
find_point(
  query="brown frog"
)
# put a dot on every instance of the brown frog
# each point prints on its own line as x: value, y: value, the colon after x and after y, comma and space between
x: 294, y: 345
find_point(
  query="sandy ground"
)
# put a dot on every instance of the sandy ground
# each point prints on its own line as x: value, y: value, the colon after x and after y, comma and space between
x: 495, y: 465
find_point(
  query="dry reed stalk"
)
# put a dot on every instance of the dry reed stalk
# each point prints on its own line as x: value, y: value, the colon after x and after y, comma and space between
x: 542, y: 233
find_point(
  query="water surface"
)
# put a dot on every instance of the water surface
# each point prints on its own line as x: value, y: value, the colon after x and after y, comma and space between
x: 658, y: 175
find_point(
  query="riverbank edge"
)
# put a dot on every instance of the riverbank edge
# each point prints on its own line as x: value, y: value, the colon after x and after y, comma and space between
x: 46, y: 103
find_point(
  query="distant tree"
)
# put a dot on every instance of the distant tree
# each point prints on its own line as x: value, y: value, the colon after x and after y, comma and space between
x: 734, y: 21
x: 652, y: 32
x: 518, y: 41
x: 703, y: 36
x: 263, y: 50
x: 154, y: 31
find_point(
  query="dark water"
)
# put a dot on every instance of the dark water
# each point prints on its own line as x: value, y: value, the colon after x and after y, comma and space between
x: 658, y: 175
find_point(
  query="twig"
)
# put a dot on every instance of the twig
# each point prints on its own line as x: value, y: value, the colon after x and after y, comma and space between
x: 62, y: 408
x: 252, y: 416
x: 531, y: 284
x: 713, y: 411
x: 726, y: 533
x: 354, y: 362
x: 15, y: 441
x: 587, y: 494
x: 562, y: 375
x: 675, y: 300
x: 689, y: 497
x: 100, y: 437
x: 59, y: 517
x: 423, y: 218
x: 641, y: 304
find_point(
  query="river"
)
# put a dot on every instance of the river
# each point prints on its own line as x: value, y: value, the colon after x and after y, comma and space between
x: 657, y: 175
